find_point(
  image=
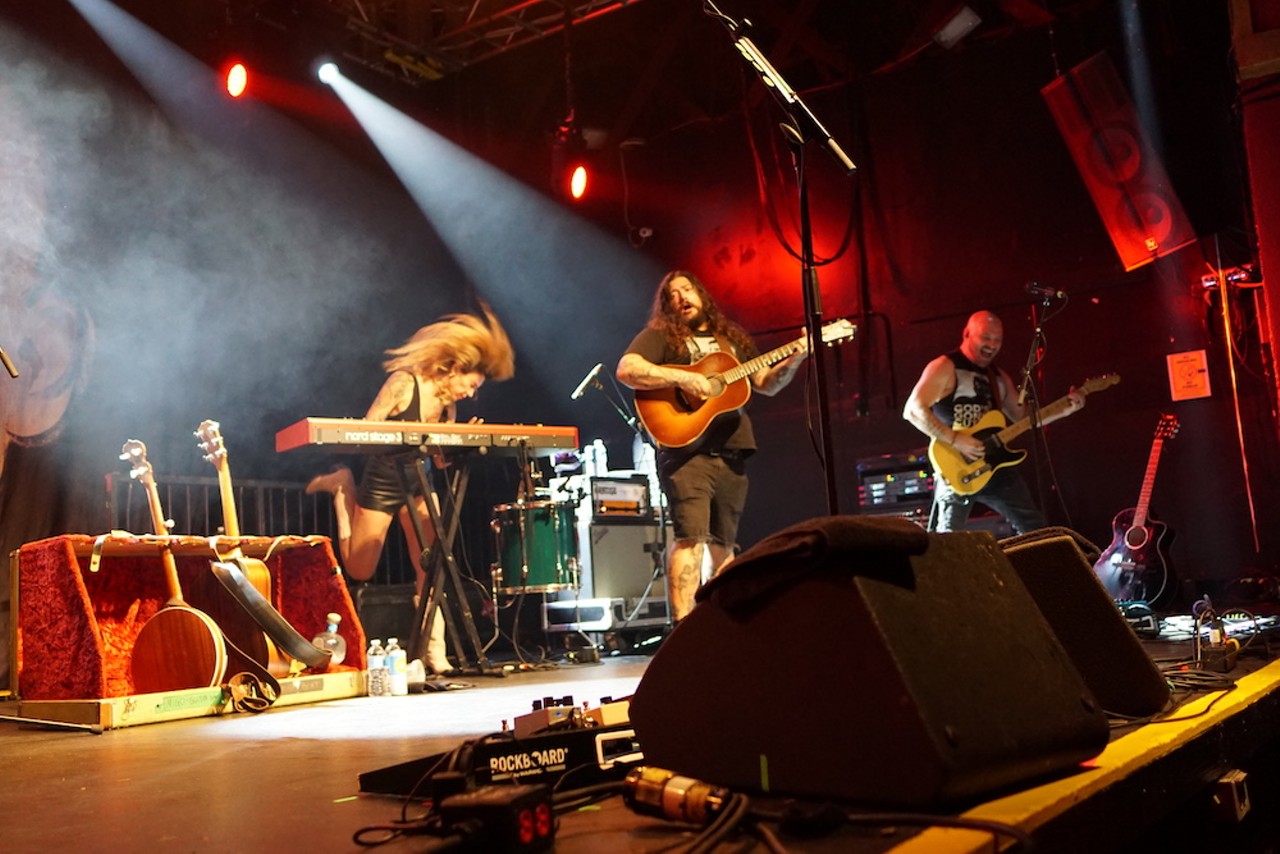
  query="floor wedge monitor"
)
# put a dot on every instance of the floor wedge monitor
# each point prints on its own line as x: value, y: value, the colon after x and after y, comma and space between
x: 864, y: 660
x: 1056, y: 565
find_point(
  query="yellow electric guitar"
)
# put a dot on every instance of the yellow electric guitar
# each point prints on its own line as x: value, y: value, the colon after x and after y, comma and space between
x: 968, y: 477
x: 675, y: 420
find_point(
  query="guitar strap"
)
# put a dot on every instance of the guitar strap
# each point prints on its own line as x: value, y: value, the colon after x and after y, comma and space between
x: 285, y: 636
x: 253, y: 689
x: 993, y: 379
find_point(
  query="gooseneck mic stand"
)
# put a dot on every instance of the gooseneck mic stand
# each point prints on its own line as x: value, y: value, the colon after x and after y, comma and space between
x: 801, y: 128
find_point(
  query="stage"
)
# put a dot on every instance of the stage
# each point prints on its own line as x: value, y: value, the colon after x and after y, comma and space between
x: 288, y: 779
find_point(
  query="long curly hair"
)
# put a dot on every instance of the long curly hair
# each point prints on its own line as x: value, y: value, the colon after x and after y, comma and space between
x: 666, y: 319
x: 457, y: 341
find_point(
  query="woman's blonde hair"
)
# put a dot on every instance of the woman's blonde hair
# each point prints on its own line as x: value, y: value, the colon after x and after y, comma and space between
x: 461, y: 342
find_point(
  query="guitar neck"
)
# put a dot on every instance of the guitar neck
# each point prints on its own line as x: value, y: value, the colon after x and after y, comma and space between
x: 764, y: 360
x: 1148, y: 483
x: 161, y: 529
x: 1022, y: 425
x: 230, y: 516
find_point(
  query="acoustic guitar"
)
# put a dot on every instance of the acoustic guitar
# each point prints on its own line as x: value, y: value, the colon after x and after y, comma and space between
x: 968, y: 477
x: 248, y: 581
x: 1135, y: 567
x: 236, y: 623
x: 675, y: 420
x: 179, y: 647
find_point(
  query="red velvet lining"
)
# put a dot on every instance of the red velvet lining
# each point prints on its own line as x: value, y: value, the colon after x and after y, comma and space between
x: 76, y: 628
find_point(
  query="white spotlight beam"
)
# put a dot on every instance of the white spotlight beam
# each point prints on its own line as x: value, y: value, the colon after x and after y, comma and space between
x: 548, y: 273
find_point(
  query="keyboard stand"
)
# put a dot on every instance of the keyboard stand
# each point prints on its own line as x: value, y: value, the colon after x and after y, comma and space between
x: 443, y: 581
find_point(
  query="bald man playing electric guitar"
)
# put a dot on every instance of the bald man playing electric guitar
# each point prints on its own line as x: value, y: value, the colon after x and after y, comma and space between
x: 954, y: 393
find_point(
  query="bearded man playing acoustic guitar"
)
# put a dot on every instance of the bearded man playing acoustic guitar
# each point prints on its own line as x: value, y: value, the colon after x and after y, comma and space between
x: 705, y: 479
x: 953, y: 393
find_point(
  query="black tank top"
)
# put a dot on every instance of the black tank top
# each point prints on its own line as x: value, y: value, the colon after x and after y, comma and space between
x: 412, y: 412
x: 973, y: 396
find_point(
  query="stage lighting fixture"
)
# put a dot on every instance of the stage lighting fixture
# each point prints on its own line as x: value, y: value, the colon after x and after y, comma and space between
x: 236, y: 79
x: 328, y: 73
x: 570, y: 172
x: 579, y: 181
x: 960, y: 23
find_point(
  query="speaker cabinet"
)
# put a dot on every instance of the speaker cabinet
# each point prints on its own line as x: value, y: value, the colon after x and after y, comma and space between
x: 874, y: 676
x: 386, y: 610
x: 622, y: 560
x: 1056, y: 565
x: 1124, y: 176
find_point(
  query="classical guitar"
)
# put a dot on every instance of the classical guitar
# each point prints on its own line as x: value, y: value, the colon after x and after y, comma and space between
x: 240, y: 629
x: 675, y: 420
x: 1135, y: 567
x: 179, y: 647
x: 968, y: 477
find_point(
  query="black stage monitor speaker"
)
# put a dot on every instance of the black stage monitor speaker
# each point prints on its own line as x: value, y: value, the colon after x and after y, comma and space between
x: 865, y: 660
x: 1056, y: 565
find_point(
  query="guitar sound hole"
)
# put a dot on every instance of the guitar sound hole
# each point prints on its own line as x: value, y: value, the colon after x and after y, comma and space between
x: 1136, y: 538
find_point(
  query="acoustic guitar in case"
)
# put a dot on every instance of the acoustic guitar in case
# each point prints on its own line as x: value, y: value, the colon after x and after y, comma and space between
x: 249, y: 618
x: 236, y: 622
x: 179, y: 647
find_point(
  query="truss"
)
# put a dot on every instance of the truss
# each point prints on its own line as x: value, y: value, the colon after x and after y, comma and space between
x: 421, y: 40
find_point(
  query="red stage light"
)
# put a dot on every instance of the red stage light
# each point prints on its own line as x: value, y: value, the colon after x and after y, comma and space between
x: 237, y: 79
x: 579, y: 180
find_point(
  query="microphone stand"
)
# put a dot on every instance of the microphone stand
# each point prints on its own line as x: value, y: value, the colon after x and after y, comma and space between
x: 657, y: 548
x: 802, y: 127
x: 1035, y: 355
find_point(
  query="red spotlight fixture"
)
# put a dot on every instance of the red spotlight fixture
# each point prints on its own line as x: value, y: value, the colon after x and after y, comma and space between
x: 579, y: 181
x: 570, y: 174
x: 236, y: 79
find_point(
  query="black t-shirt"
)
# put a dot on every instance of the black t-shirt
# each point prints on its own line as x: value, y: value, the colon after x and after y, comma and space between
x: 730, y: 431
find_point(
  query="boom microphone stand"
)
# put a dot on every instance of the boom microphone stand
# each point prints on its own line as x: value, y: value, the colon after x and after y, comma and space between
x: 802, y: 127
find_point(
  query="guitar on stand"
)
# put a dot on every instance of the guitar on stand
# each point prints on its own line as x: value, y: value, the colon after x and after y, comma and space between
x: 179, y: 647
x: 265, y: 631
x: 1135, y: 567
x: 674, y: 420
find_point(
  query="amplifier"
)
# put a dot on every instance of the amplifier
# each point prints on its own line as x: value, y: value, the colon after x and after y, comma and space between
x: 615, y: 498
x: 892, y: 480
x: 621, y: 560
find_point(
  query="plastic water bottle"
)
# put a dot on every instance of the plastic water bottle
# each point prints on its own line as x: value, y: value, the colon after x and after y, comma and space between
x: 397, y: 663
x: 601, y: 454
x: 330, y: 639
x: 377, y: 673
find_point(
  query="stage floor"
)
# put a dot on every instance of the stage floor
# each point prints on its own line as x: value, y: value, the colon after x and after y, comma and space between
x: 288, y: 779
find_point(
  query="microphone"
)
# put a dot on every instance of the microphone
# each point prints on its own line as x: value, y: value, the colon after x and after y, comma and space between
x: 586, y: 381
x: 1038, y: 290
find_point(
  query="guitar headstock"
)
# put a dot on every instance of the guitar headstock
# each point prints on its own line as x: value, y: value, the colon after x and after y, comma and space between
x: 1168, y: 427
x: 210, y: 435
x: 838, y: 330
x: 134, y: 453
x: 1099, y: 383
